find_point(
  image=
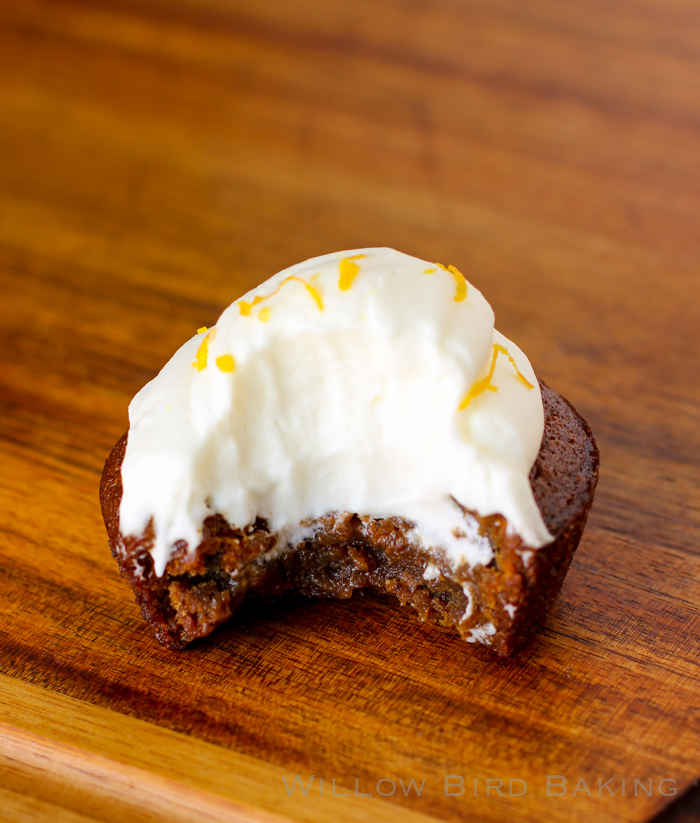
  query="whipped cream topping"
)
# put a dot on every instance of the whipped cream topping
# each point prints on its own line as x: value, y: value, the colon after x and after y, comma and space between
x: 365, y: 381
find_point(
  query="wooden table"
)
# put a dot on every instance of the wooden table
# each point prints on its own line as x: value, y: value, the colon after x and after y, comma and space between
x: 160, y: 157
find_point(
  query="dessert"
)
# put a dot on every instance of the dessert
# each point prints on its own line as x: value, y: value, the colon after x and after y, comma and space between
x: 354, y: 422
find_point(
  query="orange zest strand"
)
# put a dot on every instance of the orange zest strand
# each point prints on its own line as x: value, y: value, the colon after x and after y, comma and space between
x: 202, y: 330
x: 313, y: 292
x: 245, y: 308
x: 348, y: 271
x: 202, y: 353
x: 460, y: 280
x: 226, y: 362
x: 264, y: 314
x: 485, y: 383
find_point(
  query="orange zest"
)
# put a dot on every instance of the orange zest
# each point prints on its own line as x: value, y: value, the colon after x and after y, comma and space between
x: 348, y: 271
x: 460, y: 280
x: 203, y: 351
x: 226, y: 362
x: 245, y: 308
x: 485, y: 383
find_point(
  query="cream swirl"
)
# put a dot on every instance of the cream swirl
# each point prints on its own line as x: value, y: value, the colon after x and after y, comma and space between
x: 365, y: 381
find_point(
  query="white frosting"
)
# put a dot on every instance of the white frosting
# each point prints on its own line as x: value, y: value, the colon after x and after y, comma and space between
x: 469, y: 594
x: 432, y: 572
x: 341, y: 389
x: 481, y: 634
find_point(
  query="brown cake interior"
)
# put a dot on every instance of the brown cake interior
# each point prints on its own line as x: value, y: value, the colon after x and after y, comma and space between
x: 201, y: 589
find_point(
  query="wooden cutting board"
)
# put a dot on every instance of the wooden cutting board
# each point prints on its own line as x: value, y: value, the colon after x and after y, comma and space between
x: 159, y: 158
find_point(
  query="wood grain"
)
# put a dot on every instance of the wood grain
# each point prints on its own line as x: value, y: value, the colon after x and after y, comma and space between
x: 157, y: 159
x: 113, y: 767
x: 49, y: 774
